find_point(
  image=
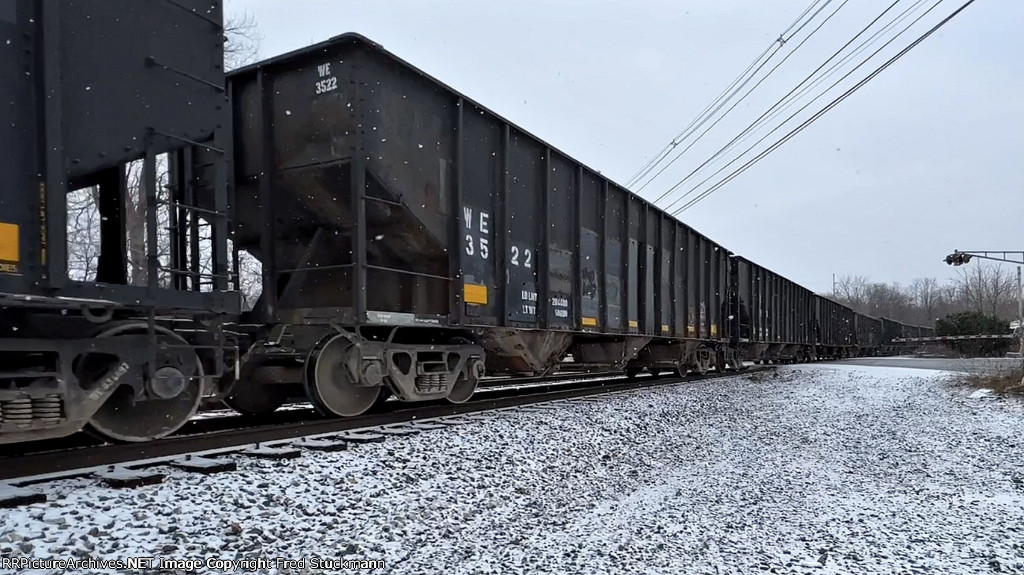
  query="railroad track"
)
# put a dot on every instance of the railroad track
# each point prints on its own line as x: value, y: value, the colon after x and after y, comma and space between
x: 220, y: 418
x: 47, y: 461
x: 485, y: 383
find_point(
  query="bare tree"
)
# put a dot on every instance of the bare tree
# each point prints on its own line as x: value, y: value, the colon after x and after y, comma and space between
x: 970, y: 285
x: 999, y: 290
x: 135, y: 220
x: 926, y: 294
x: 241, y: 41
x: 83, y: 234
x: 852, y: 289
x: 985, y: 288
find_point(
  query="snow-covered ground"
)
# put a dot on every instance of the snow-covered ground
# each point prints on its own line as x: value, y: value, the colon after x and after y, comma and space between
x: 810, y: 469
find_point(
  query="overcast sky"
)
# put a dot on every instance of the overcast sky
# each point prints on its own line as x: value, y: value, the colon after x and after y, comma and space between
x: 927, y: 157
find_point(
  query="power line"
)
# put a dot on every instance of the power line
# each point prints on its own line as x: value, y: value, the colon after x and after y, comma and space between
x: 778, y: 45
x: 723, y: 97
x: 775, y: 109
x: 825, y: 110
x: 790, y: 99
x: 702, y: 117
x: 804, y: 107
x: 795, y: 114
x: 738, y: 102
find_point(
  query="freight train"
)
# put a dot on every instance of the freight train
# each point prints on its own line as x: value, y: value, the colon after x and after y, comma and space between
x: 410, y: 241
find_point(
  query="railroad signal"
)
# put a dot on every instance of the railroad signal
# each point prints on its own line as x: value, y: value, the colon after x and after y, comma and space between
x: 958, y: 258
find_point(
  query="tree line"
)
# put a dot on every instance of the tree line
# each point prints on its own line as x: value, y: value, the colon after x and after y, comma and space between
x: 986, y: 289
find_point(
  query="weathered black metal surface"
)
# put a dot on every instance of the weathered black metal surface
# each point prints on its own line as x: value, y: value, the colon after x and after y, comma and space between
x: 19, y: 192
x: 768, y: 308
x: 538, y: 241
x: 835, y: 323
x: 869, y: 331
x: 128, y: 57
x: 89, y: 86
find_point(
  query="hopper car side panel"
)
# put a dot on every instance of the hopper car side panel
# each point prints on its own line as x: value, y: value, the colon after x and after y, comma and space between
x: 85, y: 103
x: 343, y: 137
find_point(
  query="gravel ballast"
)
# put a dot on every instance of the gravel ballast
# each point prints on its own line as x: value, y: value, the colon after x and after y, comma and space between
x: 805, y: 469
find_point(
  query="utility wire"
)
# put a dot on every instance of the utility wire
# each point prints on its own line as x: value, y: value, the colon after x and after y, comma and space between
x: 835, y: 67
x: 790, y: 99
x: 804, y: 107
x: 825, y: 110
x: 705, y: 117
x: 738, y: 102
x: 722, y: 98
x: 795, y: 114
x: 702, y: 117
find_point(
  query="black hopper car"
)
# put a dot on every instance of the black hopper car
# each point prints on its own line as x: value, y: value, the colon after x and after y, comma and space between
x: 410, y: 241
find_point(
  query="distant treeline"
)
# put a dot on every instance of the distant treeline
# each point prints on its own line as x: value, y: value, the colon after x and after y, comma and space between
x: 986, y: 289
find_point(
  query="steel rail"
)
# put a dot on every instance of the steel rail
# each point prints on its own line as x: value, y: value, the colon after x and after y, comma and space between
x: 39, y: 466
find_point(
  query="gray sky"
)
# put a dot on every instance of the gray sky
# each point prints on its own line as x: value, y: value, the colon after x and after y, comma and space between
x: 927, y: 157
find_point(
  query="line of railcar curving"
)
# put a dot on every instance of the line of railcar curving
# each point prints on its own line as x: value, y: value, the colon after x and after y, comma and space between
x: 410, y: 240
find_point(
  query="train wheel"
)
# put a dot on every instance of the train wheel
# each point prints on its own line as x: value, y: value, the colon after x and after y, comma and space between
x: 141, y: 409
x: 465, y: 386
x: 720, y: 362
x: 332, y: 382
x: 251, y: 398
x: 256, y: 399
x: 703, y: 361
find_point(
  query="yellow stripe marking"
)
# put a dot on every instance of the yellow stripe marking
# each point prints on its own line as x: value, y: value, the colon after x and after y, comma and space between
x: 10, y: 248
x: 476, y: 294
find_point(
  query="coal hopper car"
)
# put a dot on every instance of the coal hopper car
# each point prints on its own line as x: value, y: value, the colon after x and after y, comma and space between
x: 130, y: 342
x: 869, y: 334
x: 836, y: 329
x: 411, y: 241
x: 771, y: 318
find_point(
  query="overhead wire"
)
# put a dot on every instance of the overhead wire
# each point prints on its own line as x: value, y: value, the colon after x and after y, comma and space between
x: 738, y: 102
x: 796, y: 93
x: 779, y: 43
x: 693, y: 125
x: 726, y: 94
x: 832, y: 70
x: 826, y: 109
x: 805, y: 106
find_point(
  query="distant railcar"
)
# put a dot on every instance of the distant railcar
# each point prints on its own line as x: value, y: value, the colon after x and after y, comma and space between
x: 869, y: 334
x: 773, y: 318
